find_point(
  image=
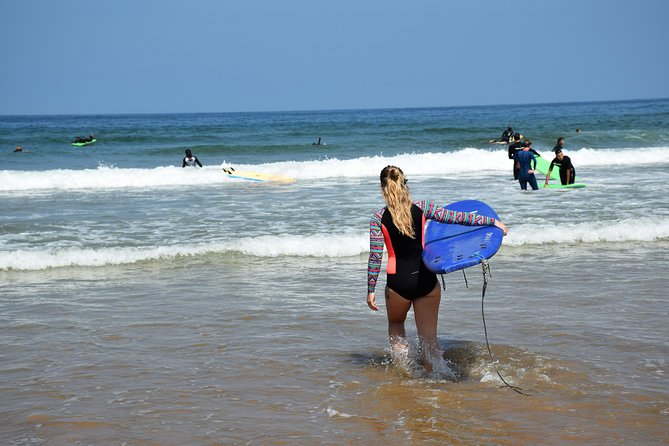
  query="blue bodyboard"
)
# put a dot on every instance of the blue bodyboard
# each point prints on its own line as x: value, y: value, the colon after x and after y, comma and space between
x: 450, y: 247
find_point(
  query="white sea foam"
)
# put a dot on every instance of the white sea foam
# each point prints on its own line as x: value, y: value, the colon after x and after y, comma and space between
x: 338, y: 245
x: 630, y: 230
x: 263, y: 246
x: 106, y: 178
x: 451, y: 163
x: 618, y: 157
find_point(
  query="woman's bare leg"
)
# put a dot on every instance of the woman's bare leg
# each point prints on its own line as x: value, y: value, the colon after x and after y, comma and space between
x: 426, y: 311
x: 397, y: 308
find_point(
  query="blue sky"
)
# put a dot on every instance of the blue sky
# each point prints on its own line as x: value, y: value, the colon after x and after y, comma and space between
x: 166, y: 56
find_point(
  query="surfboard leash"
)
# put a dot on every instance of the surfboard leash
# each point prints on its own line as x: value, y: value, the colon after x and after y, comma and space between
x: 485, y: 266
x: 486, y: 273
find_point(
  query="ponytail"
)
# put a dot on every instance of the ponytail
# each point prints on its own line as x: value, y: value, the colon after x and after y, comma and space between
x: 398, y: 200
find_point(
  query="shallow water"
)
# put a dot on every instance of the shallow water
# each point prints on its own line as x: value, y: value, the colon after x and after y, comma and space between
x: 229, y: 352
x: 149, y: 304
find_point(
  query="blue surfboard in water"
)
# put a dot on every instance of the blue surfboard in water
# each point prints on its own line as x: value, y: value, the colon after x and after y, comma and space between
x: 450, y: 247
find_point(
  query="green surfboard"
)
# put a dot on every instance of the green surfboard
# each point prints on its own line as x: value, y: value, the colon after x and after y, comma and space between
x: 81, y: 144
x: 565, y: 186
x: 543, y: 165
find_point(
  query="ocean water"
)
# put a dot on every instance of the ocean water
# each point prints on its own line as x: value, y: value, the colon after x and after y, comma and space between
x: 143, y: 303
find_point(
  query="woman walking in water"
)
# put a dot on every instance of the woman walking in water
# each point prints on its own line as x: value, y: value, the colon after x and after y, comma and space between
x: 399, y: 226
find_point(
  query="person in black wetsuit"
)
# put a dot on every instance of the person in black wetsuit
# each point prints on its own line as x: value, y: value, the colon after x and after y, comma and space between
x: 507, y: 135
x: 567, y: 171
x: 190, y: 160
x: 559, y: 145
x: 88, y: 138
x: 513, y: 147
x: 400, y: 227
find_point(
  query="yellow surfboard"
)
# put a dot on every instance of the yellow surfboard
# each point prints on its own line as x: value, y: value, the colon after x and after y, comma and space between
x: 256, y: 176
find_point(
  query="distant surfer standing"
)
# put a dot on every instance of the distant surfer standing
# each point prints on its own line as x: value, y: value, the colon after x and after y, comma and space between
x: 567, y: 171
x: 190, y: 160
x: 527, y: 164
x: 513, y: 148
x: 409, y: 283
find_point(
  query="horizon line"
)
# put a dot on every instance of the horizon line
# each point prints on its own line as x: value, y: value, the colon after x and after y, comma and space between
x: 426, y: 107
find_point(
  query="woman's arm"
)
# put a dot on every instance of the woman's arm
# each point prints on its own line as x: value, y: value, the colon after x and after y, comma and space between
x: 443, y: 215
x: 375, y: 251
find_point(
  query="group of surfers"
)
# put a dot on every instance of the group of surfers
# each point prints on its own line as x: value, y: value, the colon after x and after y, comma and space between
x: 525, y: 163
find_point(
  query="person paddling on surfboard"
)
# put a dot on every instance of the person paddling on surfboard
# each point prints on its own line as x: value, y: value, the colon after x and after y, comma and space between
x: 567, y: 171
x: 88, y: 138
x: 190, y: 160
x: 400, y: 226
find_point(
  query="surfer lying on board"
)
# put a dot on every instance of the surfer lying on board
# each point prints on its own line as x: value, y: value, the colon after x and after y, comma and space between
x: 567, y: 171
x: 400, y: 225
x: 190, y: 160
x: 79, y: 139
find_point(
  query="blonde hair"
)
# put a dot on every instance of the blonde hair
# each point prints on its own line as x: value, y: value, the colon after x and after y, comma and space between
x: 396, y: 193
